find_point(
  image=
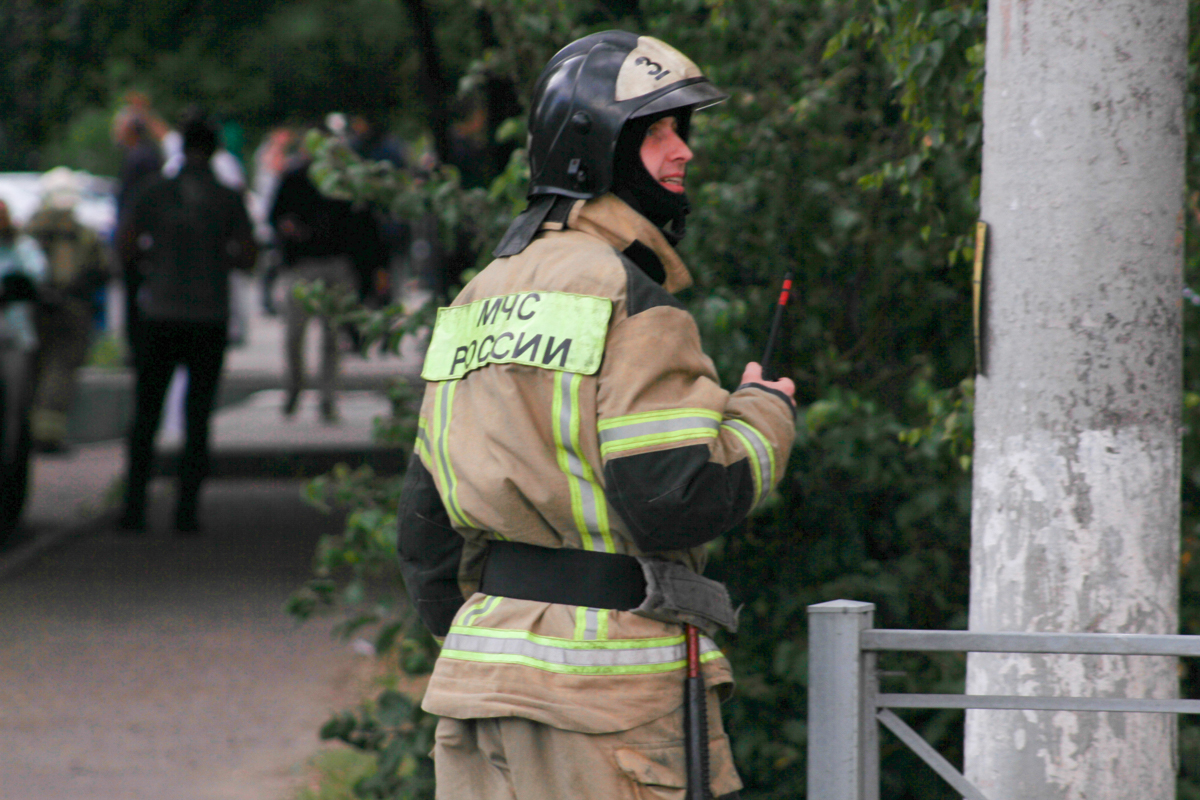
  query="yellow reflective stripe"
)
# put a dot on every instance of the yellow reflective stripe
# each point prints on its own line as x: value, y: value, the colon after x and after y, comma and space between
x: 591, y: 623
x: 444, y: 442
x: 443, y: 403
x: 567, y: 656
x: 762, y: 448
x: 435, y: 445
x: 655, y: 416
x: 648, y: 440
x: 650, y: 428
x: 584, y: 619
x: 588, y: 505
x: 571, y: 644
x: 563, y: 459
x: 589, y: 484
x: 755, y: 464
x: 762, y: 455
x: 422, y: 443
x: 469, y: 614
x: 479, y: 610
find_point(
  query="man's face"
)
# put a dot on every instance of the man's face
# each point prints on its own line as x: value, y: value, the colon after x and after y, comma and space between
x: 665, y: 155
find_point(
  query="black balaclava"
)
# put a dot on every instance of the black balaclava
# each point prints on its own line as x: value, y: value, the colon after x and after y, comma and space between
x: 633, y: 184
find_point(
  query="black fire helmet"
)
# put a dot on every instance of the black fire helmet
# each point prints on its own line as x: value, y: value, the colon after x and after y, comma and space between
x: 582, y: 100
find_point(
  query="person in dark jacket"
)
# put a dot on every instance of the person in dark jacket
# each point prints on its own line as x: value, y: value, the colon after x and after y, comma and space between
x: 325, y: 240
x: 182, y: 236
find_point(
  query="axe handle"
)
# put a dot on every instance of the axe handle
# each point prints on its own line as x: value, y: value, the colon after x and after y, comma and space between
x: 768, y: 371
x: 695, y: 720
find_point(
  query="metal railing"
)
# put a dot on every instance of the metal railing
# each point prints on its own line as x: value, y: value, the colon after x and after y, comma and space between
x: 845, y: 706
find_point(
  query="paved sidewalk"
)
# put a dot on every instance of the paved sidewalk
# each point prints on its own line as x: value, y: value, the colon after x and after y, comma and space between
x: 164, y: 667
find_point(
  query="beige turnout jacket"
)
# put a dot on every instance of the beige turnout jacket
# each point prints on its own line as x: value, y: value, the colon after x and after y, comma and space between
x: 569, y: 404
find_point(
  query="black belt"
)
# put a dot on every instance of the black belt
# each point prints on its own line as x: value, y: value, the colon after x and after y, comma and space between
x: 563, y: 575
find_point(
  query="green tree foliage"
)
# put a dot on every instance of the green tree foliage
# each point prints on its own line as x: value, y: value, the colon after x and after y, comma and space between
x: 66, y: 65
x: 852, y: 134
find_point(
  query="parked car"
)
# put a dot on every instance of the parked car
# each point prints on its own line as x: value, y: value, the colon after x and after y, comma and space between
x: 97, y: 208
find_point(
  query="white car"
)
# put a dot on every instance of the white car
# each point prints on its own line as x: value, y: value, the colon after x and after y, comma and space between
x: 97, y: 207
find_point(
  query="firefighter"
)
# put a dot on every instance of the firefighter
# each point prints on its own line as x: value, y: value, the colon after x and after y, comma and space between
x: 78, y: 269
x: 576, y: 453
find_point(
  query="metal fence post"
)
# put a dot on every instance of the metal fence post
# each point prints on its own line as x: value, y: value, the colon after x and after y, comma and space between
x: 869, y: 705
x: 836, y: 688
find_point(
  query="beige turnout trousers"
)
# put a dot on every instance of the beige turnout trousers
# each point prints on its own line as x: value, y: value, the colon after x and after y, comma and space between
x: 511, y: 758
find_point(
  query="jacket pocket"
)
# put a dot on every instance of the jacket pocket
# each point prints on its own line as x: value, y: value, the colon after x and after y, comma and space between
x: 659, y: 771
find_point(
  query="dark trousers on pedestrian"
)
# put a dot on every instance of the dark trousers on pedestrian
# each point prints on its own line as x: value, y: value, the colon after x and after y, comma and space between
x: 160, y: 347
x: 337, y: 273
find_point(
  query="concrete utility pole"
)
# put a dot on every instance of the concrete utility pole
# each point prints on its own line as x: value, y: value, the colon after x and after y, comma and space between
x: 1075, y: 524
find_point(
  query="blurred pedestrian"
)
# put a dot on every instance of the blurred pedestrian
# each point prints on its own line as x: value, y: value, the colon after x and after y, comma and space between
x: 137, y: 132
x: 272, y: 158
x: 77, y: 269
x: 183, y: 235
x: 371, y: 140
x: 325, y: 240
x: 22, y: 270
x: 226, y: 167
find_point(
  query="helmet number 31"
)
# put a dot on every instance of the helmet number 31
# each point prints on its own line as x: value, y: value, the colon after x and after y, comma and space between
x: 654, y: 68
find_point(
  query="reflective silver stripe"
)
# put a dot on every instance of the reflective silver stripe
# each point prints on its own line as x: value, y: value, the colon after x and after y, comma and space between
x: 594, y: 519
x: 423, y: 440
x: 451, y: 484
x: 602, y: 657
x: 762, y: 452
x: 480, y: 609
x: 653, y: 427
x: 591, y: 625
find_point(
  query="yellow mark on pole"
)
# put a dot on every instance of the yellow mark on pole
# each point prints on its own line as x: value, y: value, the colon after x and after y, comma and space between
x: 977, y: 290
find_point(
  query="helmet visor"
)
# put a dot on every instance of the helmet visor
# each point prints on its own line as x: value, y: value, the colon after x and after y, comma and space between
x: 697, y: 94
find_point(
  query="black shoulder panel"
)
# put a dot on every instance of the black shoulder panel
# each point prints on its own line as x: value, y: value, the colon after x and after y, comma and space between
x: 641, y: 292
x: 648, y: 260
x: 430, y: 550
x: 675, y: 499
